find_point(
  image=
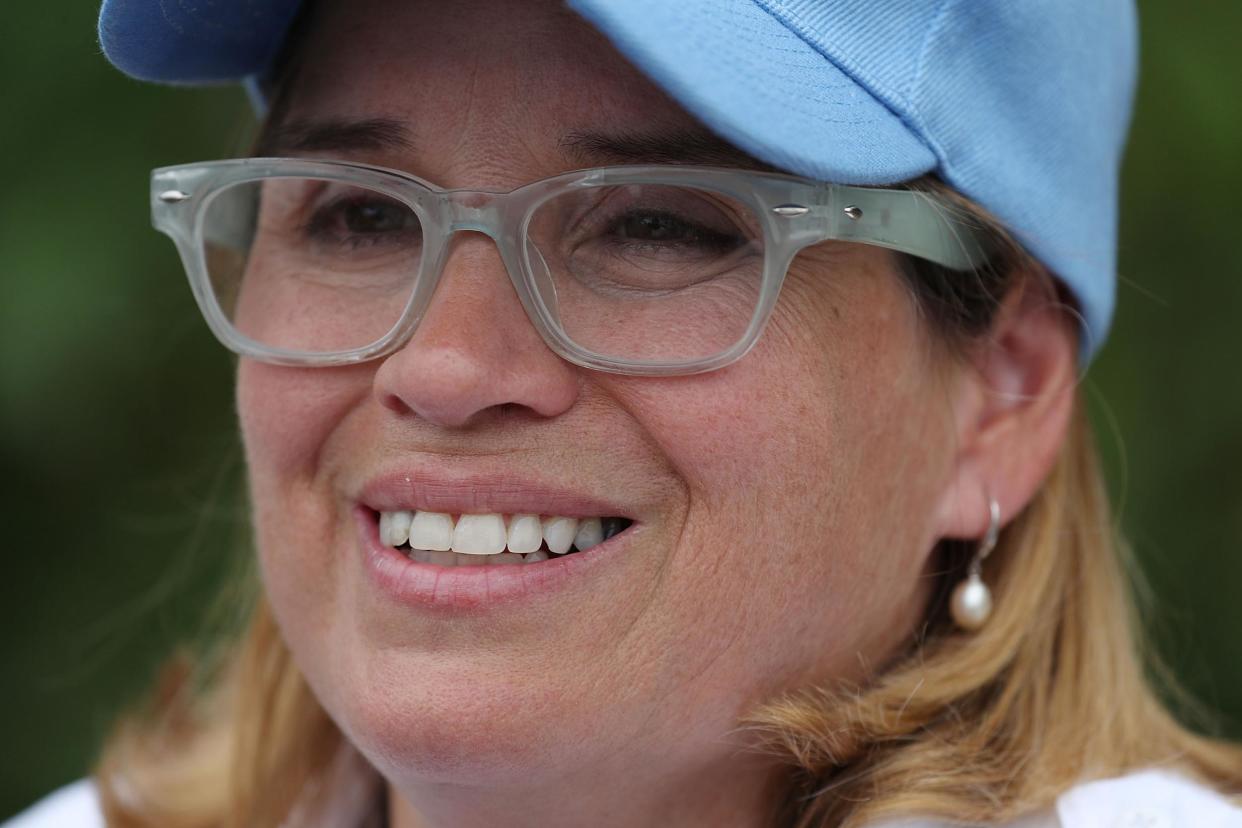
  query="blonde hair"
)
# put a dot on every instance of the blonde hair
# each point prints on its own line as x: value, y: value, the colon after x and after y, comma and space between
x: 981, y: 727
x: 989, y: 726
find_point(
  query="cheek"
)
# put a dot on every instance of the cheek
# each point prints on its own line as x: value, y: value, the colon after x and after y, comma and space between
x: 287, y: 417
x: 833, y: 399
x: 286, y: 414
x: 810, y: 487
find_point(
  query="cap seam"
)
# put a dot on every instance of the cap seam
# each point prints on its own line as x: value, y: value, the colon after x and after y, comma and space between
x: 893, y: 101
x: 811, y: 95
x: 913, y: 93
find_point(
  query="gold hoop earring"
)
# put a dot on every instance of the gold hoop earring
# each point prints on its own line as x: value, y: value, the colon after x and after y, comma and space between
x: 971, y: 604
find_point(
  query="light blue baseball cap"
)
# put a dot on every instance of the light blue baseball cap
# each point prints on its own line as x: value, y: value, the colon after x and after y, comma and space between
x: 1021, y: 105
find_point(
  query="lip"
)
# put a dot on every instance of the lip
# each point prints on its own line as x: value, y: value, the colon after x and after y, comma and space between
x: 443, y: 491
x: 475, y: 590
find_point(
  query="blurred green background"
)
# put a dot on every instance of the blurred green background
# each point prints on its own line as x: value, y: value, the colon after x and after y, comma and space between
x: 121, y: 493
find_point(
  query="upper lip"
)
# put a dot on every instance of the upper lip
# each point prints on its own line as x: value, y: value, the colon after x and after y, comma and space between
x: 456, y: 492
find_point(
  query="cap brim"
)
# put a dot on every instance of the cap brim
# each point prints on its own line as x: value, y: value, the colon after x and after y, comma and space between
x: 734, y: 66
x: 763, y: 88
x: 193, y: 43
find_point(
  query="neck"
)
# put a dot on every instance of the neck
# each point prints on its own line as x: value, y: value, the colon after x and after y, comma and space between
x: 738, y: 795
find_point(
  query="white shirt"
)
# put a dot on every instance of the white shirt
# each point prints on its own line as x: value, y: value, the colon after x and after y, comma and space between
x: 1145, y: 799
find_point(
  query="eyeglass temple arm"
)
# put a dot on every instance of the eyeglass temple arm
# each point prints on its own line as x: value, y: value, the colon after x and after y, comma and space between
x: 902, y: 220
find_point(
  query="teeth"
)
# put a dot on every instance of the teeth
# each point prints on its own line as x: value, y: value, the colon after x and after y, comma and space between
x: 440, y: 558
x: 432, y: 557
x: 525, y: 533
x: 590, y: 533
x: 479, y: 535
x: 559, y: 533
x: 394, y: 527
x: 430, y: 530
x: 454, y: 559
x: 435, y: 537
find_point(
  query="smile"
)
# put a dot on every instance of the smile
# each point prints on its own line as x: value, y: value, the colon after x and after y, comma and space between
x: 439, y: 541
x: 444, y: 539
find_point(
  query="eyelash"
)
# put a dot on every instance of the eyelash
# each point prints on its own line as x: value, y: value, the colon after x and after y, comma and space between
x: 319, y: 226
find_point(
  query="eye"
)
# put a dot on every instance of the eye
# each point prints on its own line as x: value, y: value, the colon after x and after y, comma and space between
x: 659, y: 227
x: 363, y: 219
x: 374, y: 216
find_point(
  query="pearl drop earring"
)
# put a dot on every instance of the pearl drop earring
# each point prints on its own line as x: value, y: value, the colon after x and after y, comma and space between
x: 972, y: 600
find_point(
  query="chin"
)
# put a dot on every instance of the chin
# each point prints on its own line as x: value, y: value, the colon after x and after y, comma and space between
x: 423, y: 724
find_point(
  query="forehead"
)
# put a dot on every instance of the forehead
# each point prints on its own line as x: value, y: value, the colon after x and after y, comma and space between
x: 504, y: 81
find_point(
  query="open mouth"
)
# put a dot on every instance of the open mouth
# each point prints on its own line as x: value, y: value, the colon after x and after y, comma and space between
x: 492, y: 539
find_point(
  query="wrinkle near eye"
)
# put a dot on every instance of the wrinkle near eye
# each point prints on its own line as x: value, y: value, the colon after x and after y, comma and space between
x: 815, y: 298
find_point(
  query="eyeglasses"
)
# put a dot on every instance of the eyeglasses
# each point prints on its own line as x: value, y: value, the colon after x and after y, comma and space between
x: 646, y: 270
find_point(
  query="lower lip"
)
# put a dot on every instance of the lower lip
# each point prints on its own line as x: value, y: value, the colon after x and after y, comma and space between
x: 473, y: 588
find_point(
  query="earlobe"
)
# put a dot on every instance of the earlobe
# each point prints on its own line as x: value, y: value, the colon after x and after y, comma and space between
x: 1017, y: 397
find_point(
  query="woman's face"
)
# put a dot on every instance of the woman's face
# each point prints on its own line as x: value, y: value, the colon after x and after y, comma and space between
x: 783, y: 507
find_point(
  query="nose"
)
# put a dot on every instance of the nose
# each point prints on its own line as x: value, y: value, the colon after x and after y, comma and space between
x: 474, y: 350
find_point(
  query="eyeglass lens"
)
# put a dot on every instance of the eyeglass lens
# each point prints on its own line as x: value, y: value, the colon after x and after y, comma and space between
x: 647, y: 272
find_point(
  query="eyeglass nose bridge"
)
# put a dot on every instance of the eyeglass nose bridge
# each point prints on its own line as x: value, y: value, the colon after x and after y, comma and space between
x: 489, y: 213
x: 473, y: 211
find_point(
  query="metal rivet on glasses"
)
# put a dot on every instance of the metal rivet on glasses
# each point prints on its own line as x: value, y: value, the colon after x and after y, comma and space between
x: 173, y: 196
x: 855, y: 213
x: 790, y: 210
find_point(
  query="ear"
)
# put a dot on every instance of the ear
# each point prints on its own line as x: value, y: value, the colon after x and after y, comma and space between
x: 1013, y: 404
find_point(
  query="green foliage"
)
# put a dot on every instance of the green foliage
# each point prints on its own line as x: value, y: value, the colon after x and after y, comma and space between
x: 122, y: 473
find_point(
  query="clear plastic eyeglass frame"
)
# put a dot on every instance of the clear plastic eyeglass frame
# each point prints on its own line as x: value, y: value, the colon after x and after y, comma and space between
x: 794, y: 213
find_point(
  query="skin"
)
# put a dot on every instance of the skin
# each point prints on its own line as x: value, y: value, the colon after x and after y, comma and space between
x: 787, y: 505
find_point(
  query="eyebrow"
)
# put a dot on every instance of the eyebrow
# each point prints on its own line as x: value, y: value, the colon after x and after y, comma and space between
x: 594, y: 148
x: 581, y: 148
x: 335, y: 135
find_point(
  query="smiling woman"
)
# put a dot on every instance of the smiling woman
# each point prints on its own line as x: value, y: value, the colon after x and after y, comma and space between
x: 661, y: 414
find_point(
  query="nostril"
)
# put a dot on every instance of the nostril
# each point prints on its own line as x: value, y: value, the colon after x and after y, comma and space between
x: 453, y: 387
x: 393, y: 403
